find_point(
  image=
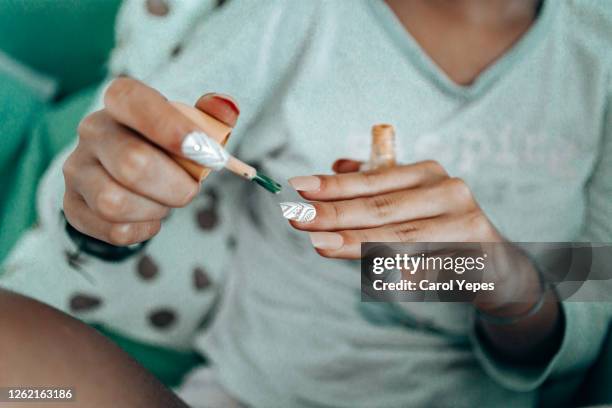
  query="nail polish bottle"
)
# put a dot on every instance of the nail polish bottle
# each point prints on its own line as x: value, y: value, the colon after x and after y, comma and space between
x: 207, y: 124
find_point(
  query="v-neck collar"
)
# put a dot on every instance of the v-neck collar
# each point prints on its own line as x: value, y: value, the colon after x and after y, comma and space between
x: 412, y: 49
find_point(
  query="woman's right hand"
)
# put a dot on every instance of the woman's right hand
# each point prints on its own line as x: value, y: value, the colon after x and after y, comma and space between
x: 120, y: 180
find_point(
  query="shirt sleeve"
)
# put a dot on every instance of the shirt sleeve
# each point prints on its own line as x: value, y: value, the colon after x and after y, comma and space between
x: 585, y: 323
x: 167, y: 292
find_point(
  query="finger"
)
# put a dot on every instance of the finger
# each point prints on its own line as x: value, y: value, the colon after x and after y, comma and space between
x: 220, y: 106
x: 346, y: 166
x: 390, y: 208
x: 135, y: 164
x: 351, y: 185
x: 346, y: 244
x: 86, y: 221
x: 111, y: 201
x: 145, y: 110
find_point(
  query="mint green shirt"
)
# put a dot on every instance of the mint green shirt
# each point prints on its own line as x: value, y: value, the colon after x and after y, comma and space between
x: 532, y: 137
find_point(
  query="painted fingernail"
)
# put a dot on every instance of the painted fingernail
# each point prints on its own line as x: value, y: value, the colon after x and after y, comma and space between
x: 300, y: 212
x: 231, y: 102
x: 305, y: 183
x: 203, y: 149
x: 326, y: 240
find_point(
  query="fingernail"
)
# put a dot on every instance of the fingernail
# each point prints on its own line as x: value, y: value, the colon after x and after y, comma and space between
x: 204, y: 150
x: 300, y: 212
x: 305, y: 183
x: 326, y: 240
x: 231, y: 102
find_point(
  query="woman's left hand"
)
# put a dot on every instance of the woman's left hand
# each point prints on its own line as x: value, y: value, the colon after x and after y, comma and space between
x: 410, y: 203
x: 421, y: 203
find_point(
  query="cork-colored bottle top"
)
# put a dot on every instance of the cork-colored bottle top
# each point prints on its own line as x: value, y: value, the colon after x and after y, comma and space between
x: 382, y: 133
x: 383, y: 146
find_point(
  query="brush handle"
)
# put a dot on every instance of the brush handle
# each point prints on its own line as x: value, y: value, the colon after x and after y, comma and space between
x: 240, y: 168
x: 207, y: 124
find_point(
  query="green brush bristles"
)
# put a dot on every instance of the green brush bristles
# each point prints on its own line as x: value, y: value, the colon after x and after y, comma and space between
x: 267, y: 183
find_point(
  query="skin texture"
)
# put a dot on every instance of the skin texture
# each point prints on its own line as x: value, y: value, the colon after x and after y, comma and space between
x: 41, y: 346
x: 464, y: 37
x: 120, y: 182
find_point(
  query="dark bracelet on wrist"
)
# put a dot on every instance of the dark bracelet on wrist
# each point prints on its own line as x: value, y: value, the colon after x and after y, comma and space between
x: 100, y: 249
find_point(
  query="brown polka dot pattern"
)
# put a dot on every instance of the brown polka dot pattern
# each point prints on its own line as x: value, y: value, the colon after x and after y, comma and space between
x: 146, y: 268
x: 158, y: 8
x: 213, y: 195
x: 162, y: 318
x: 207, y: 218
x: 84, y: 303
x: 176, y: 51
x: 200, y: 279
x: 74, y: 259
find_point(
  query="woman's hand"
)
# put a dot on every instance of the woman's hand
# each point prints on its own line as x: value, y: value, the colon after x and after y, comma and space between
x: 421, y: 203
x: 415, y: 203
x: 120, y: 181
x: 411, y: 203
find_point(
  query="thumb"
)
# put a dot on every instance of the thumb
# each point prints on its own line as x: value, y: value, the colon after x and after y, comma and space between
x: 222, y: 107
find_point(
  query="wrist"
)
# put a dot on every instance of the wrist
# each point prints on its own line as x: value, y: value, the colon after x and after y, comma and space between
x: 519, y: 285
x: 100, y: 249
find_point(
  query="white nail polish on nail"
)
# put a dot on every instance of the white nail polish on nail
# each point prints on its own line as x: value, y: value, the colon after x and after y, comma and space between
x: 300, y: 212
x: 204, y: 150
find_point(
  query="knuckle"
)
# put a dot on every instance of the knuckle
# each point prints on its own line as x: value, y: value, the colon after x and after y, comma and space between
x: 356, y: 237
x: 381, y: 206
x: 433, y: 165
x: 459, y: 188
x: 167, y: 128
x: 110, y: 202
x: 128, y: 234
x: 371, y: 178
x: 119, y: 88
x: 121, y: 234
x: 334, y: 213
x: 133, y: 164
x: 69, y: 168
x: 86, y: 126
x: 479, y: 224
x: 90, y: 125
x: 405, y: 232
